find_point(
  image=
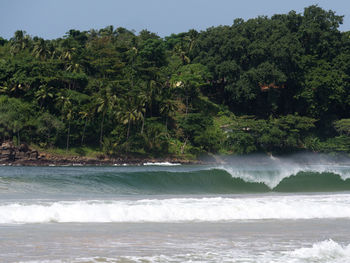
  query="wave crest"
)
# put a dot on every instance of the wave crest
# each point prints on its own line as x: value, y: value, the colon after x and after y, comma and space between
x: 180, y: 180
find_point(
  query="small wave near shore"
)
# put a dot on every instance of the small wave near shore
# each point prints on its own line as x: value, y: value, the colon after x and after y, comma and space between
x: 215, y: 209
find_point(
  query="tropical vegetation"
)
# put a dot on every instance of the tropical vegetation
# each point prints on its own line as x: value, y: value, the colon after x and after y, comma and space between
x: 268, y: 84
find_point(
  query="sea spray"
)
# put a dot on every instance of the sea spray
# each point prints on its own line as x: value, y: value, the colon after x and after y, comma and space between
x: 271, y: 170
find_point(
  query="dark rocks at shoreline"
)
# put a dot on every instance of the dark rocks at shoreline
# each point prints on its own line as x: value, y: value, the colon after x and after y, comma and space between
x: 22, y: 155
x: 11, y: 153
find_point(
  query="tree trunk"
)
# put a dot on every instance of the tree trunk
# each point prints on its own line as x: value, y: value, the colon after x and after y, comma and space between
x: 101, y: 133
x: 48, y: 139
x: 82, y: 137
x: 143, y: 122
x: 18, y: 139
x: 166, y: 124
x: 128, y: 133
x: 186, y: 105
x: 183, y: 146
x: 67, y: 145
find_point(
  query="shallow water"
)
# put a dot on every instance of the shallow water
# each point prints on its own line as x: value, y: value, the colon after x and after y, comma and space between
x: 265, y: 211
x: 255, y: 241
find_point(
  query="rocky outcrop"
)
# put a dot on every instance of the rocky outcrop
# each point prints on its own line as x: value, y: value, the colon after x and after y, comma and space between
x: 24, y: 156
x: 10, y: 153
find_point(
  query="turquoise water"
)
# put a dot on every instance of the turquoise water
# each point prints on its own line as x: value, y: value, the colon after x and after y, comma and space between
x: 172, y: 180
x: 247, y: 210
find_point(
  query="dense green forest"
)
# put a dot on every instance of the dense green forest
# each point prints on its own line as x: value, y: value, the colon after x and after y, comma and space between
x: 269, y: 84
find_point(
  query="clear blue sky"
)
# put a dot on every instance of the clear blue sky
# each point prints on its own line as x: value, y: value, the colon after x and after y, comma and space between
x: 53, y: 18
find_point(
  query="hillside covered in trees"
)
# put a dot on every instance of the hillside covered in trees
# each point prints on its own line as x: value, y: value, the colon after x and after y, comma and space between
x: 269, y: 84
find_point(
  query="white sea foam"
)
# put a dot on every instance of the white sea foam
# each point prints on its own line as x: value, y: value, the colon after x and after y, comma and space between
x: 274, y: 174
x: 327, y: 251
x: 179, y: 209
x: 161, y: 164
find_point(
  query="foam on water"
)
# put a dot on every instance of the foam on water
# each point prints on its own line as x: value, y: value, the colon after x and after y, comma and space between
x: 161, y: 164
x: 327, y: 251
x: 179, y: 209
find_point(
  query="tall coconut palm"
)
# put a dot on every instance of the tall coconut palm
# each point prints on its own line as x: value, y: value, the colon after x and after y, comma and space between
x: 40, y: 49
x: 104, y: 101
x: 146, y: 97
x: 107, y: 32
x: 19, y: 42
x: 85, y: 115
x: 65, y: 105
x: 132, y: 110
x: 168, y: 107
x: 67, y: 54
x: 43, y: 93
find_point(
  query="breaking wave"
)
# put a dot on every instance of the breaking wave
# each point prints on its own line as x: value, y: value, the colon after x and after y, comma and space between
x: 171, y: 180
x: 215, y: 209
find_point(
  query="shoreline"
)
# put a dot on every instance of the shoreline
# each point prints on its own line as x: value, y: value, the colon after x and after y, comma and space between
x: 85, y: 161
x: 22, y: 155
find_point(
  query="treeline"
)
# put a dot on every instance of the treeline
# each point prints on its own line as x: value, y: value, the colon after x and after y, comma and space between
x: 266, y: 84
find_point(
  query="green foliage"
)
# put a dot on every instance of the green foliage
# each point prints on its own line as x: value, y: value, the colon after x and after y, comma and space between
x: 325, y: 90
x: 336, y: 144
x: 15, y: 116
x: 155, y: 139
x: 276, y: 84
x: 286, y: 133
x: 48, y: 129
x: 193, y: 124
x: 210, y: 140
x: 240, y: 143
x: 343, y: 126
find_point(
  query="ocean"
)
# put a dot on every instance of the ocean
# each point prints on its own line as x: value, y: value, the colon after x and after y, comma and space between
x: 249, y: 209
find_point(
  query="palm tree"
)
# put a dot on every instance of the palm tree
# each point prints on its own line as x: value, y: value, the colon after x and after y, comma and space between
x: 145, y: 99
x: 104, y: 101
x: 131, y: 111
x: 140, y: 112
x: 19, y: 42
x: 168, y: 108
x: 65, y: 104
x: 40, y: 49
x: 68, y: 55
x: 67, y: 52
x: 43, y: 93
x: 107, y: 32
x: 13, y: 87
x: 178, y: 50
x: 92, y: 34
x: 85, y: 115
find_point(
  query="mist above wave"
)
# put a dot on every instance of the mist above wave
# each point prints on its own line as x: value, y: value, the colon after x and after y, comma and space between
x: 271, y: 170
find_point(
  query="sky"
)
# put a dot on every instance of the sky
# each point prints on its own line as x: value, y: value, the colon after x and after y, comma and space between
x: 53, y: 18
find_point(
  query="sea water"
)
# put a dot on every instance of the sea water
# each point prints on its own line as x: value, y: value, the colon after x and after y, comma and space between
x: 251, y: 209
